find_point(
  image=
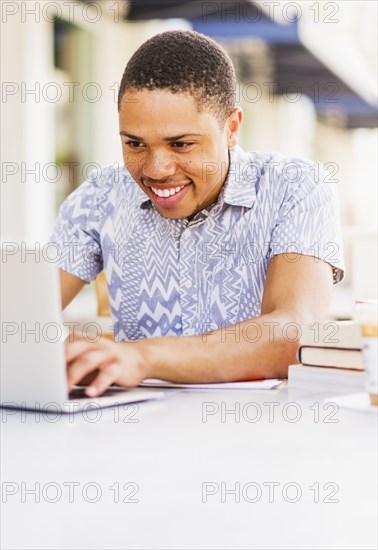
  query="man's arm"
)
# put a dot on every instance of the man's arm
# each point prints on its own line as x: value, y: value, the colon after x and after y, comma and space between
x: 70, y: 286
x: 297, y: 290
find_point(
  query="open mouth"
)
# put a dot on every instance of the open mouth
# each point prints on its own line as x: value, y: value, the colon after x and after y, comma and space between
x: 167, y: 192
x: 169, y: 196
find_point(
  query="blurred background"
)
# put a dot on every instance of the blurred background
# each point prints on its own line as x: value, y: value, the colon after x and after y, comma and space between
x: 307, y: 83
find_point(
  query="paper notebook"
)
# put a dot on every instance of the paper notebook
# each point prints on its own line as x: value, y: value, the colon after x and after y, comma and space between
x: 269, y: 384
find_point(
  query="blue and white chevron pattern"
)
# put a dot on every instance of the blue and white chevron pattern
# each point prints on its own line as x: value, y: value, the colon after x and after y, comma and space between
x: 174, y: 277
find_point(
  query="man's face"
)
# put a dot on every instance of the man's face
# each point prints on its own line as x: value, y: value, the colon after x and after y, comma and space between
x: 177, y: 156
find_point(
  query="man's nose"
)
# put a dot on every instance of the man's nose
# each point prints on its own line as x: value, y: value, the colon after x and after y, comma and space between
x: 158, y: 166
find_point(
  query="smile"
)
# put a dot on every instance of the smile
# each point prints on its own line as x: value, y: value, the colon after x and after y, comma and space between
x: 170, y: 196
x: 166, y: 192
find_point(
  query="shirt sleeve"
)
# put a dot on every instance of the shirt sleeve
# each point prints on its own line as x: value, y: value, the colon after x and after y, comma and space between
x: 76, y: 233
x: 308, y: 220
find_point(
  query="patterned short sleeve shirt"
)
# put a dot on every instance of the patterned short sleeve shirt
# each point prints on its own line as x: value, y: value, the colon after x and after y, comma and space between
x: 175, y: 277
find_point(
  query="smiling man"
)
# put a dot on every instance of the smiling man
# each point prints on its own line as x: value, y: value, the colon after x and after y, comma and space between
x: 213, y: 256
x: 184, y: 147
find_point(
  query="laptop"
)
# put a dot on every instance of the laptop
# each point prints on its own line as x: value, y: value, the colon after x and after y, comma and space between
x: 32, y: 359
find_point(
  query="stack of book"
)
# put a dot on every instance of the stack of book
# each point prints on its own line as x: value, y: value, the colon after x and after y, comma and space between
x: 330, y: 356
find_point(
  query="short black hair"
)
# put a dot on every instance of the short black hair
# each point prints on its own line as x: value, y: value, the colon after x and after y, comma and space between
x: 184, y: 61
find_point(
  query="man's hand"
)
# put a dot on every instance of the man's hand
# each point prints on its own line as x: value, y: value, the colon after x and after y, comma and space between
x: 103, y: 363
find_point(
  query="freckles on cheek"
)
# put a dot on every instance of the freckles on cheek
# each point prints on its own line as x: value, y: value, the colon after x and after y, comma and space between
x: 134, y: 167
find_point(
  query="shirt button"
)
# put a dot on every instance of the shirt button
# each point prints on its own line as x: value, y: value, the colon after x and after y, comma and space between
x: 190, y: 332
x: 188, y: 284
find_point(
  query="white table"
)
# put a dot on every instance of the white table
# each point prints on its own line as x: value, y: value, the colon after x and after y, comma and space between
x: 167, y: 456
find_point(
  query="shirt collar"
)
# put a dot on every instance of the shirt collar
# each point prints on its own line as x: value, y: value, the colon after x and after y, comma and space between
x: 239, y: 188
x: 141, y: 198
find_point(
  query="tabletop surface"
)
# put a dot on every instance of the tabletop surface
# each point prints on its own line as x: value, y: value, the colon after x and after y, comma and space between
x: 219, y: 469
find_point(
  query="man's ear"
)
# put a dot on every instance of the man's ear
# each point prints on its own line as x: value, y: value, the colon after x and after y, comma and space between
x: 233, y: 124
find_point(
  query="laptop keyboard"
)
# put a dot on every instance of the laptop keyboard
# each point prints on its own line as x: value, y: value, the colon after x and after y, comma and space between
x: 79, y: 393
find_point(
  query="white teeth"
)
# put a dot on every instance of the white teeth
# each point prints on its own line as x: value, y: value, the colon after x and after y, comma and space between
x: 166, y: 192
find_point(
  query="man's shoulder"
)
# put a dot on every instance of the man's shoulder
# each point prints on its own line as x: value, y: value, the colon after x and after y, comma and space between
x: 108, y: 184
x: 277, y: 161
x: 107, y: 177
x: 274, y: 170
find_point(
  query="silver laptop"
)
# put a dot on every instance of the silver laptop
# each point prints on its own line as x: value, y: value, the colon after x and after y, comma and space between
x: 32, y: 359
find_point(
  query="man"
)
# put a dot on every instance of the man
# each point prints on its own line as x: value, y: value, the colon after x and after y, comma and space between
x: 213, y: 256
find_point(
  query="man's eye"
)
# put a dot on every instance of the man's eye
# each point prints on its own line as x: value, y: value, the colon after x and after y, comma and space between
x: 134, y: 144
x: 182, y: 144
